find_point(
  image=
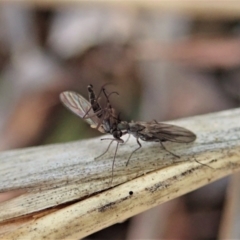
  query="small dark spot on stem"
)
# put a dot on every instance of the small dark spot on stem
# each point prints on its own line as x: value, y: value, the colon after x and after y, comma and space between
x: 131, y: 193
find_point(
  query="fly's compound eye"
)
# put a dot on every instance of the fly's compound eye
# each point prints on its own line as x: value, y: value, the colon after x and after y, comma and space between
x: 117, y: 134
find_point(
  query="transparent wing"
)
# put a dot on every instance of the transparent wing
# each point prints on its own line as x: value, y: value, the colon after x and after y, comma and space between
x: 80, y: 106
x: 173, y: 133
x: 168, y: 132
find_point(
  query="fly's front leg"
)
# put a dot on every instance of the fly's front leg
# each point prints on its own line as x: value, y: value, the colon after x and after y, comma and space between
x: 114, y: 161
x: 127, y: 138
x: 106, y: 150
x: 115, y: 154
x: 124, y: 133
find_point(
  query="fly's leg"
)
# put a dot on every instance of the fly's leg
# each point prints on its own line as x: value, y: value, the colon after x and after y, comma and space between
x: 101, y: 113
x: 202, y: 164
x: 179, y: 156
x: 106, y: 150
x: 118, y: 141
x: 86, y: 116
x: 134, y: 151
x: 109, y: 106
x: 114, y: 162
x: 168, y: 150
x: 124, y: 133
x: 127, y: 139
x: 95, y: 101
x: 112, y: 140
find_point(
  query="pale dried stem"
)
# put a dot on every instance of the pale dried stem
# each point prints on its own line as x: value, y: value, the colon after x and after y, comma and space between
x: 68, y: 194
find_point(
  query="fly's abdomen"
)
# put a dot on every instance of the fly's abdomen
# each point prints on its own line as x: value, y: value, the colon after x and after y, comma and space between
x: 92, y: 99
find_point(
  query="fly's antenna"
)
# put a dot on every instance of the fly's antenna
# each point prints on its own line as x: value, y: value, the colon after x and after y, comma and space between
x: 108, y: 96
x: 102, y: 90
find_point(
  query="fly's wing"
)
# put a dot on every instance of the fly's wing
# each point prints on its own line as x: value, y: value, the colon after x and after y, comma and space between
x: 80, y: 106
x: 168, y: 132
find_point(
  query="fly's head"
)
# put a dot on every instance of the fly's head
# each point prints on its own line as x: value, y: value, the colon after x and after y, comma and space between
x: 117, y: 134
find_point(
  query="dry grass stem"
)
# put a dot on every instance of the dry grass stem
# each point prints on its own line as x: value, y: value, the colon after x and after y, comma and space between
x: 67, y: 192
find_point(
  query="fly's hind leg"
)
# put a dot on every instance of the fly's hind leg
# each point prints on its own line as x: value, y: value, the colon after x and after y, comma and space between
x: 175, y: 155
x: 179, y: 156
x: 134, y: 151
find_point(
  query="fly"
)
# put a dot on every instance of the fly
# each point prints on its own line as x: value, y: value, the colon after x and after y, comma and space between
x: 82, y: 108
x: 156, y: 132
x: 106, y: 121
x: 150, y: 132
x: 91, y: 111
x: 103, y: 119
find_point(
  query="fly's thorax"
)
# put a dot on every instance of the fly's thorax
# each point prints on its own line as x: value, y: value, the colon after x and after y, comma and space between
x: 135, y: 127
x: 123, y: 126
x: 117, y: 134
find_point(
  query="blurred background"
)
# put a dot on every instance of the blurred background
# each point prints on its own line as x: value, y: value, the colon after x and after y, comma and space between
x: 166, y: 59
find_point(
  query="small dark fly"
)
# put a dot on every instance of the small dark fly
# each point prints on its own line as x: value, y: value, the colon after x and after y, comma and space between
x: 82, y: 108
x: 103, y: 119
x: 156, y: 132
x: 106, y: 121
x: 94, y: 101
x: 91, y: 111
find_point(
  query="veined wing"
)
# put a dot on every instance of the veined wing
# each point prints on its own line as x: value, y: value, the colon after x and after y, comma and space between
x: 168, y: 132
x: 80, y: 106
